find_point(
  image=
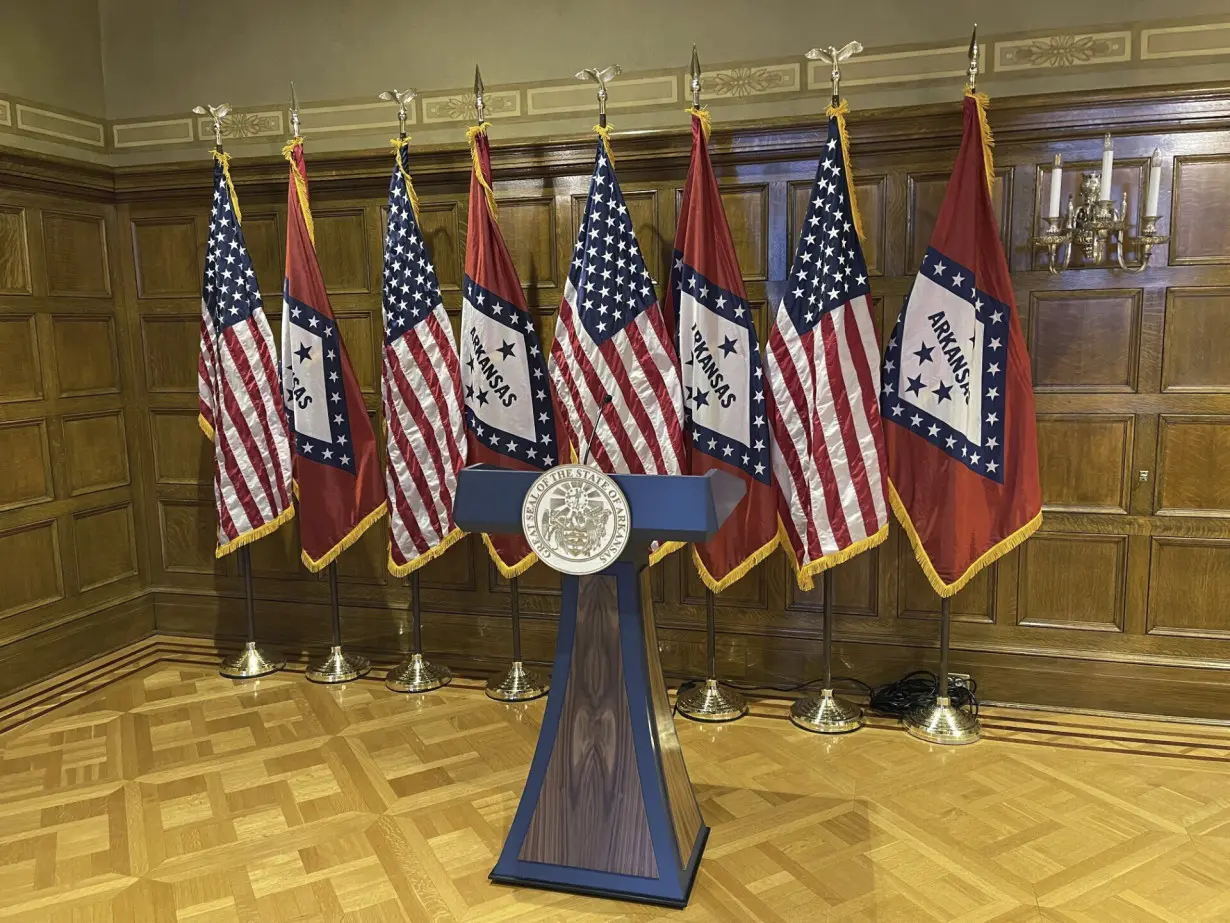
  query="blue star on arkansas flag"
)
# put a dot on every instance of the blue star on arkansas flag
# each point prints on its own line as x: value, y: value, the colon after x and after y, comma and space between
x: 945, y: 365
x: 504, y: 374
x: 315, y: 397
x: 723, y: 399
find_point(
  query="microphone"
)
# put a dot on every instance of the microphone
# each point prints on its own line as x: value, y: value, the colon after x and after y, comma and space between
x: 601, y: 418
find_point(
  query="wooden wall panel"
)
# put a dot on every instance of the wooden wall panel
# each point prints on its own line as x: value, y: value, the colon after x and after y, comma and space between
x: 170, y: 348
x: 1194, y: 465
x: 439, y: 222
x: 75, y: 248
x: 87, y: 355
x: 528, y: 226
x: 1201, y: 200
x: 181, y: 453
x: 14, y: 252
x: 1084, y: 461
x: 926, y: 194
x: 105, y: 546
x: 27, y: 459
x: 1073, y: 581
x: 31, y: 575
x: 265, y: 235
x: 1188, y: 592
x: 189, y: 536
x: 341, y: 246
x: 1196, y: 345
x: 747, y: 212
x: 95, y: 452
x: 1085, y: 340
x: 166, y: 256
x: 21, y: 376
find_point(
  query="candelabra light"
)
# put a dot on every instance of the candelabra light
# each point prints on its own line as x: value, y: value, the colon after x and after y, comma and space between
x: 1094, y: 221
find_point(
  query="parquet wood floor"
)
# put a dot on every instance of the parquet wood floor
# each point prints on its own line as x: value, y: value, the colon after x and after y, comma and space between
x: 175, y: 795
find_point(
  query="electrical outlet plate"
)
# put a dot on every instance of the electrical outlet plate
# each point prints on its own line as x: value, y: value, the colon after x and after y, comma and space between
x: 959, y: 679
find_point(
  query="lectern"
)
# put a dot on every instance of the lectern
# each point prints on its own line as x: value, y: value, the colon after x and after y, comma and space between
x: 608, y: 808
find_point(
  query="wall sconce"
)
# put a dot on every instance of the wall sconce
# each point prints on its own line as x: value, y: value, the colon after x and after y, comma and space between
x: 1091, y: 223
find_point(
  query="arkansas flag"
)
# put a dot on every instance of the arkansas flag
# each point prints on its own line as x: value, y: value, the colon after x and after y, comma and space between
x: 337, y: 472
x: 963, y: 459
x: 510, y: 414
x: 725, y: 421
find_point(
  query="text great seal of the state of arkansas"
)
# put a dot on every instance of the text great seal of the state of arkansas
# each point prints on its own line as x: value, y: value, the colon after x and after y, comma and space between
x: 576, y: 519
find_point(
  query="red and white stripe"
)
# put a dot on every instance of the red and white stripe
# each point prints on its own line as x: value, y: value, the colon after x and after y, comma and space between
x: 828, y: 459
x: 252, y: 451
x: 425, y: 436
x: 205, y: 374
x: 641, y: 431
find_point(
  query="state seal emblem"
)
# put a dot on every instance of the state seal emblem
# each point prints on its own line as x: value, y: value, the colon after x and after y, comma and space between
x: 576, y: 519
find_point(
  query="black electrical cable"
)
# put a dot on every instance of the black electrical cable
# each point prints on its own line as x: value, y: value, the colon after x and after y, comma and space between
x: 899, y: 698
x: 689, y: 684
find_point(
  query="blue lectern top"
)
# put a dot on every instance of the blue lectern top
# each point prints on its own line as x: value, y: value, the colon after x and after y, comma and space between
x: 673, y: 508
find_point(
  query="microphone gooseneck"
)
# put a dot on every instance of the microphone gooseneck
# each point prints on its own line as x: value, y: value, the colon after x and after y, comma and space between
x: 601, y: 417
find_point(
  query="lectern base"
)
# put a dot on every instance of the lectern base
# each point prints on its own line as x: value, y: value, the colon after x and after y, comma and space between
x: 608, y: 808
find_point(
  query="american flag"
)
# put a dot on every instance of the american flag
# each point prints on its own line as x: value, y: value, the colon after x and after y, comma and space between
x: 424, y: 423
x: 823, y: 361
x: 611, y: 339
x: 240, y: 390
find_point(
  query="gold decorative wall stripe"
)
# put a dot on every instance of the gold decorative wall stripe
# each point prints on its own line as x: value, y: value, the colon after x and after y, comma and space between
x: 1211, y: 38
x: 6, y: 113
x: 265, y: 123
x: 458, y: 106
x: 1064, y: 50
x: 144, y: 134
x: 61, y: 126
x: 578, y: 98
x: 352, y: 117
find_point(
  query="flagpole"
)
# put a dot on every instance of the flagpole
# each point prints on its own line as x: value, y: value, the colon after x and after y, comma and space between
x: 252, y: 661
x: 828, y: 713
x: 941, y: 722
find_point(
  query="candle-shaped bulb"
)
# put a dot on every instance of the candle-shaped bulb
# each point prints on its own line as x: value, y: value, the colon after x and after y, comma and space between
x: 1155, y: 183
x: 1108, y: 166
x: 1056, y: 183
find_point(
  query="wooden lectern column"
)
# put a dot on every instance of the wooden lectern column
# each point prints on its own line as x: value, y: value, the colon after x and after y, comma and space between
x: 608, y: 808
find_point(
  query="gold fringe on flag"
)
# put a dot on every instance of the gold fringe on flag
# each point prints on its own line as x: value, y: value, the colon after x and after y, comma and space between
x: 472, y: 134
x: 804, y: 576
x: 706, y: 121
x: 225, y: 159
x: 839, y: 113
x: 989, y: 556
x: 399, y: 145
x: 604, y: 132
x: 249, y: 537
x: 404, y: 570
x: 721, y: 586
x: 509, y: 571
x: 351, y: 537
x: 983, y: 103
x: 300, y: 186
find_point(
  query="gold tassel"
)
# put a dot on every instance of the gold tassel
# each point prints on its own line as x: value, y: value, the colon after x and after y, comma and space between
x: 399, y: 145
x: 989, y: 556
x: 472, y: 134
x: 983, y: 102
x: 839, y: 113
x: 351, y: 537
x: 706, y: 123
x: 225, y: 159
x: 604, y: 132
x: 205, y: 427
x: 249, y: 537
x: 404, y: 570
x: 300, y: 187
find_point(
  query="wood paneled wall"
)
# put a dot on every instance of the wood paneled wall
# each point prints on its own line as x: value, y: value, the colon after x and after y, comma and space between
x: 71, y: 540
x: 1121, y: 601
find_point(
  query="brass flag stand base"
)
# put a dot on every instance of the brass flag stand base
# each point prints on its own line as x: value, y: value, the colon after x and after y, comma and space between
x: 338, y: 666
x: 252, y: 661
x: 417, y: 674
x: 827, y: 713
x: 941, y: 722
x: 518, y: 684
x: 711, y: 701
